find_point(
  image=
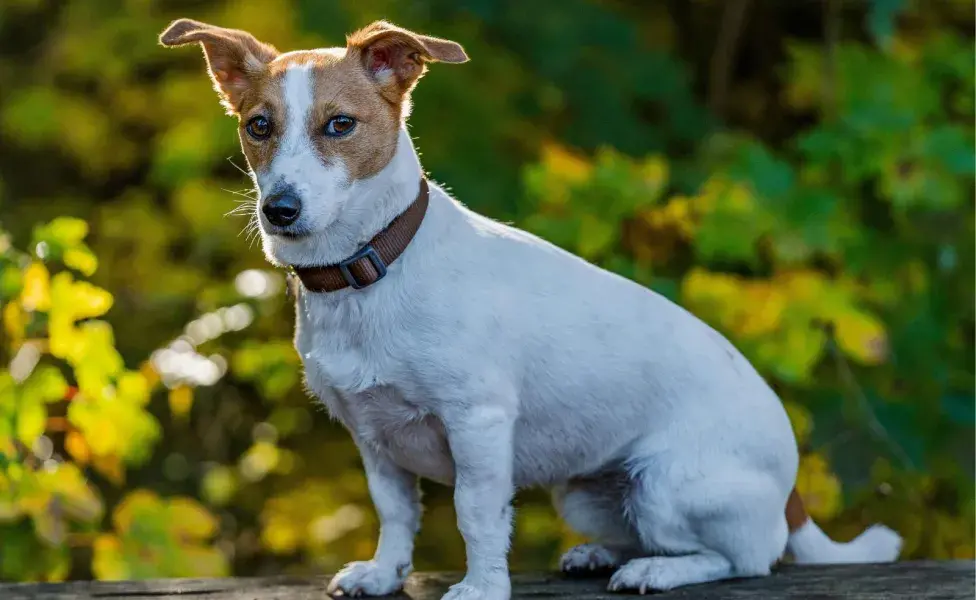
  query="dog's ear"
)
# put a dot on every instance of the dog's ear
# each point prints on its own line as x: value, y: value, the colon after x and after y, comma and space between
x: 396, y: 58
x: 234, y: 58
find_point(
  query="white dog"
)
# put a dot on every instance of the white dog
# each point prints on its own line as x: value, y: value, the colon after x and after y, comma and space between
x: 490, y: 360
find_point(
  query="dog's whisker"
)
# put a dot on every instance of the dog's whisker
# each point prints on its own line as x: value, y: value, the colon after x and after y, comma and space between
x: 243, y: 210
x: 236, y: 166
x: 242, y: 193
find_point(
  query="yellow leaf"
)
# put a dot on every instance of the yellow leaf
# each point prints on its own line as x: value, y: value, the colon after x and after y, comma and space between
x: 180, y: 401
x: 31, y: 419
x: 81, y: 259
x: 818, y: 487
x: 14, y: 323
x: 564, y: 164
x: 101, y: 433
x: 110, y: 467
x: 765, y: 306
x: 719, y: 194
x: 190, y: 519
x: 862, y: 337
x: 219, y: 485
x: 36, y: 293
x: 77, y: 447
x: 108, y: 562
x: 10, y: 512
x: 258, y: 461
x: 280, y: 537
x: 803, y: 286
x: 78, y: 299
x: 138, y: 504
x: 34, y: 496
x: 62, y: 335
x: 66, y: 231
x: 654, y: 170
x: 133, y: 388
x: 149, y: 374
x: 45, y: 384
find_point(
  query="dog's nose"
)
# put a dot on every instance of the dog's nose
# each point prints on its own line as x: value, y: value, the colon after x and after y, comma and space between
x: 282, y: 209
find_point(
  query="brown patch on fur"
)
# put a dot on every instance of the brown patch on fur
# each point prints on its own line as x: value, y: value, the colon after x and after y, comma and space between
x: 340, y: 86
x: 796, y: 513
x: 344, y: 88
x: 369, y: 80
x: 264, y: 100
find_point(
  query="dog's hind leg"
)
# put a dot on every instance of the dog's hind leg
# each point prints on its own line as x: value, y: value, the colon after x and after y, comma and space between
x: 702, y: 524
x: 594, y: 507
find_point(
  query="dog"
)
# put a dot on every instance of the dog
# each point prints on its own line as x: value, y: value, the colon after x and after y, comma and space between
x: 471, y: 353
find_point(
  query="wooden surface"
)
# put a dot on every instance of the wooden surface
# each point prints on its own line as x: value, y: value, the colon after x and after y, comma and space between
x: 907, y: 580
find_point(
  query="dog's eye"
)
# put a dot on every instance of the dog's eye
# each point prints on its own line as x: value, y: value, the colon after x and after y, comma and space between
x: 259, y: 128
x: 339, y: 126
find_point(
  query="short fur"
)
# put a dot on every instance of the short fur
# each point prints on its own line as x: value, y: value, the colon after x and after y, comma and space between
x: 489, y: 359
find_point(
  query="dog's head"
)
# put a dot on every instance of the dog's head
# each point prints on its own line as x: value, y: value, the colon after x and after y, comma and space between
x: 316, y: 126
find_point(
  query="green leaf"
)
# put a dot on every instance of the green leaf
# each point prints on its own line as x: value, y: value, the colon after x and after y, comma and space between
x: 45, y: 384
x: 11, y: 280
x: 770, y: 177
x: 63, y: 239
x: 31, y: 418
x: 595, y: 236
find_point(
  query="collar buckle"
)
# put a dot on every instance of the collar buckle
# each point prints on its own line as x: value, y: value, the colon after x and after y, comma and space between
x: 367, y: 252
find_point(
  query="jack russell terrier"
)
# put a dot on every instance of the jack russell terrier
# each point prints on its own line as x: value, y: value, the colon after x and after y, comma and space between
x: 459, y: 349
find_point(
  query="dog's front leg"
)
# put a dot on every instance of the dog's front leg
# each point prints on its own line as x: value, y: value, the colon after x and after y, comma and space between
x: 396, y: 498
x: 481, y: 445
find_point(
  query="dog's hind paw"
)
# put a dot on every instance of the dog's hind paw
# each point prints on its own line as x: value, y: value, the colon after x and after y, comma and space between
x: 588, y: 557
x: 367, y: 578
x: 661, y: 573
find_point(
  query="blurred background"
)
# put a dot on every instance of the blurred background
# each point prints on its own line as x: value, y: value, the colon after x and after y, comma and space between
x: 798, y: 174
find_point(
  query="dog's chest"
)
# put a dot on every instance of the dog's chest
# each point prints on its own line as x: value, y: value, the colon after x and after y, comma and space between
x: 343, y: 345
x: 409, y: 436
x: 352, y: 370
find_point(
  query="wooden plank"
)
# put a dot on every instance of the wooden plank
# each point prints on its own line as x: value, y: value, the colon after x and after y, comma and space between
x: 927, y: 580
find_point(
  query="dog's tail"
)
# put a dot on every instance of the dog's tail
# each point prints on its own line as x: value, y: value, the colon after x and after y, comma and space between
x: 810, y: 545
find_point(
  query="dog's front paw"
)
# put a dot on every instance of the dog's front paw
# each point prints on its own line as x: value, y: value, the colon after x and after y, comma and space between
x: 367, y: 578
x: 588, y: 557
x: 501, y: 590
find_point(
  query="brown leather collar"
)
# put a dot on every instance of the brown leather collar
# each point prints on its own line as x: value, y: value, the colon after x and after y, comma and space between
x: 368, y: 265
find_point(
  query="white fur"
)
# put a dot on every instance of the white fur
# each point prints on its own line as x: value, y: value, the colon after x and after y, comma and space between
x: 810, y: 545
x: 324, y: 189
x: 489, y: 359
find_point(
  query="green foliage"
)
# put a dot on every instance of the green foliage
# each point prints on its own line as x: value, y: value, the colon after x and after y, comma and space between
x: 155, y: 538
x: 820, y: 214
x: 103, y: 421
